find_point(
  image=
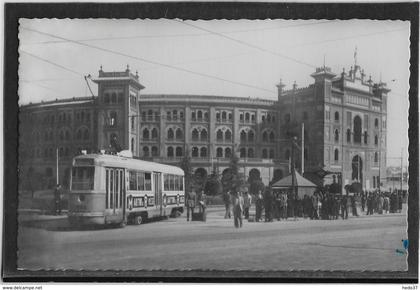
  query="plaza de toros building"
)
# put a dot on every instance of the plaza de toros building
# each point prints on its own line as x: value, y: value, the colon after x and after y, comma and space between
x: 344, y: 117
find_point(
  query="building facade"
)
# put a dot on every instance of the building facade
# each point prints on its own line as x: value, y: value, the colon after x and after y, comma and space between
x: 342, y: 119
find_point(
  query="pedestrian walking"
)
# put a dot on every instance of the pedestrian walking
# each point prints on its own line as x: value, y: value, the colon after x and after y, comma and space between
x: 283, y: 206
x: 201, y: 200
x: 191, y: 201
x: 57, y: 199
x: 380, y: 204
x: 259, y: 205
x: 247, y: 204
x: 268, y: 204
x: 315, y: 208
x: 238, y: 206
x: 354, y: 206
x: 344, y: 210
x: 227, y: 200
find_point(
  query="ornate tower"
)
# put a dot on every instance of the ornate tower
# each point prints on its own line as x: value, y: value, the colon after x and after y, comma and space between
x: 118, y: 110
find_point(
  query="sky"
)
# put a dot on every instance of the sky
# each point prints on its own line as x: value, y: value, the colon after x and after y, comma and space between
x: 238, y: 58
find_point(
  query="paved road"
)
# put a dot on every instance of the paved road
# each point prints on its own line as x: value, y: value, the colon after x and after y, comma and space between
x: 364, y: 243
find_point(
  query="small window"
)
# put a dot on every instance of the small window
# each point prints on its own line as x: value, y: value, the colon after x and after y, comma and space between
x: 219, y: 135
x: 204, y: 135
x: 133, y: 180
x: 203, y: 152
x: 146, y: 151
x: 242, y: 153
x: 170, y: 152
x: 140, y: 181
x: 219, y: 152
x: 148, y: 181
x: 194, y: 152
x: 154, y: 151
x: 336, y: 155
x: 336, y: 116
x: 228, y: 135
x: 228, y: 152
x: 264, y: 153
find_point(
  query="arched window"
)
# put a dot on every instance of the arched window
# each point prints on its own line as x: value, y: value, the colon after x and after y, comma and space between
x: 241, y: 117
x: 250, y: 152
x: 218, y: 116
x: 376, y: 140
x: 78, y: 134
x: 154, y: 133
x: 113, y: 119
x: 242, y: 153
x: 193, y: 116
x: 154, y: 151
x: 170, y: 152
x: 224, y: 116
x: 264, y: 153
x: 181, y: 115
x: 247, y: 117
x: 357, y: 125
x: 228, y: 135
x: 132, y: 144
x: 230, y: 117
x: 251, y: 136
x: 195, y: 135
x: 203, y: 152
x: 150, y: 115
x: 86, y: 134
x: 365, y: 137
x: 336, y: 135
x: 265, y: 136
x: 194, y: 152
x: 337, y: 116
x: 336, y: 155
x: 206, y: 116
x: 178, y: 134
x: 219, y: 152
x: 146, y: 151
x: 219, y: 135
x: 178, y: 151
x: 170, y: 134
x: 271, y: 153
x: 272, y: 137
x: 200, y: 115
x: 243, y: 136
x: 348, y: 134
x: 145, y: 133
x: 169, y: 116
x: 287, y: 154
x: 376, y: 157
x: 253, y: 118
x: 203, y: 135
x: 175, y: 114
x: 228, y: 152
x: 376, y: 123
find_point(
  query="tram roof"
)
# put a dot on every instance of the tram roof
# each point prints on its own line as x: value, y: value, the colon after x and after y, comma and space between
x: 131, y: 163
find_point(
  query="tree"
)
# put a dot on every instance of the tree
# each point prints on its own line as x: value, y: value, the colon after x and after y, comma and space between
x: 213, y: 186
x: 186, y: 166
x: 232, y: 179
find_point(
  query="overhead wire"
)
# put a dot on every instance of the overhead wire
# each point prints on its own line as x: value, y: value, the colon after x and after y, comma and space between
x: 148, y: 61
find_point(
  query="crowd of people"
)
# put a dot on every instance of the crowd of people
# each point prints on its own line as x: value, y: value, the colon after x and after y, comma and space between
x: 282, y: 204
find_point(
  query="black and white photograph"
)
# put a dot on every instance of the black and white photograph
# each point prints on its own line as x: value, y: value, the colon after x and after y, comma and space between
x: 213, y: 145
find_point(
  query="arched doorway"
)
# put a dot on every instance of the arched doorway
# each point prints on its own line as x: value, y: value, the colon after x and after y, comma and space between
x: 357, y: 169
x: 357, y: 129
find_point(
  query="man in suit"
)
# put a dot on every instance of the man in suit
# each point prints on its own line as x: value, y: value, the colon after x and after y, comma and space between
x: 238, y: 207
x: 227, y: 200
x: 191, y: 201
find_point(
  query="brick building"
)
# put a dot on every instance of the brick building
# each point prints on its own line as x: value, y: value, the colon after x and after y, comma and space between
x: 344, y: 118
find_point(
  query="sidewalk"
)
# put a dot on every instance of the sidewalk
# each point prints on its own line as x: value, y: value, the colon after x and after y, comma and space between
x: 33, y: 215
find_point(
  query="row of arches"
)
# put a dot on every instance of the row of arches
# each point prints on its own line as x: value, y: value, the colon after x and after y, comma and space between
x: 199, y: 115
x: 175, y: 115
x: 357, y: 137
x: 224, y: 116
x: 150, y: 115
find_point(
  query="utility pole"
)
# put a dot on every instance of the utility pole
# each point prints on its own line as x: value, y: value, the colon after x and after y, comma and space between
x: 303, y: 150
x: 401, y: 183
x: 57, y: 181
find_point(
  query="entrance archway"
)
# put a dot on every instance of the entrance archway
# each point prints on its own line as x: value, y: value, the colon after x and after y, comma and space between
x: 357, y: 169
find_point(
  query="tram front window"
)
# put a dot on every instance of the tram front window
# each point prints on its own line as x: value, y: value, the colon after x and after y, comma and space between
x: 83, y: 178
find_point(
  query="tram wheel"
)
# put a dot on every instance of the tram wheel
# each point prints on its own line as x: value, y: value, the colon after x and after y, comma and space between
x: 138, y: 220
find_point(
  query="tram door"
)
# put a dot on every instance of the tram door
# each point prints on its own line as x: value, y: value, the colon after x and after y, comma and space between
x: 115, y: 192
x: 157, y: 181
